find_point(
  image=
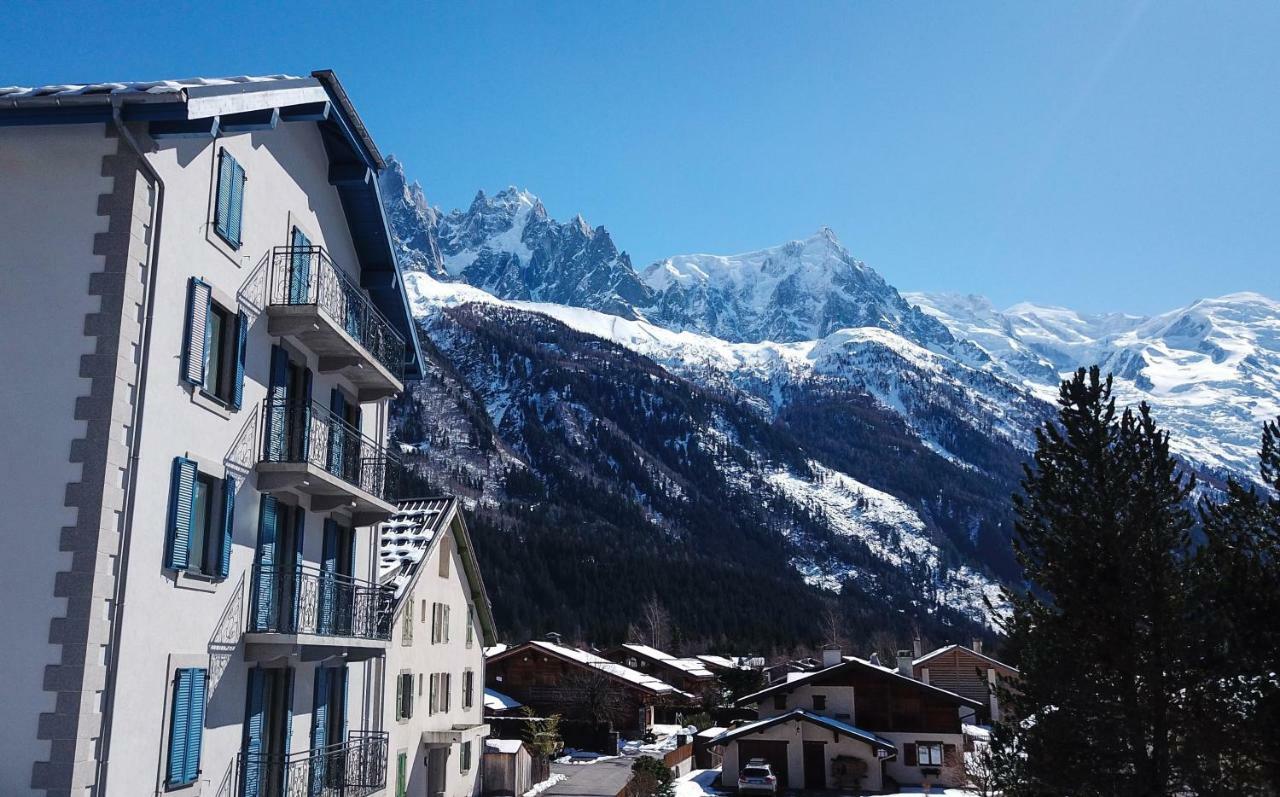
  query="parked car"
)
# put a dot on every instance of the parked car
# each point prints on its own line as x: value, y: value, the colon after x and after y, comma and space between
x: 757, y: 776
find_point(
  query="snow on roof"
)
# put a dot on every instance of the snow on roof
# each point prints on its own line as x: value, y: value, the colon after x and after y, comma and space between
x: 494, y: 650
x: 949, y: 648
x: 648, y: 682
x: 817, y: 719
x: 132, y: 87
x: 496, y: 701
x: 693, y: 666
x: 711, y: 733
x: 504, y: 745
x: 405, y: 538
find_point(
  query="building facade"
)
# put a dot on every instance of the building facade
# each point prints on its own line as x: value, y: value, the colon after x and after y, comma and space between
x: 853, y: 719
x: 204, y: 324
x: 691, y: 675
x: 433, y: 707
x: 967, y: 671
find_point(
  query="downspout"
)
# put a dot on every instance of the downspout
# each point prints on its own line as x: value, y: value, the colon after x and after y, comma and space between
x: 122, y: 555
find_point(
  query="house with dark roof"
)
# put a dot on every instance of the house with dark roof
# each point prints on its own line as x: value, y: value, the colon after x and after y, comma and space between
x: 440, y: 621
x: 967, y: 671
x: 206, y: 323
x: 555, y: 678
x: 852, y: 725
x: 689, y: 674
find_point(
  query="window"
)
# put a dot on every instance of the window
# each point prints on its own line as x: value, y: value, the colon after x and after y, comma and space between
x: 406, y: 626
x: 186, y: 726
x: 439, y: 623
x: 819, y: 702
x: 201, y: 517
x: 464, y: 759
x: 444, y: 558
x: 471, y: 627
x: 929, y: 754
x: 404, y: 696
x: 468, y: 689
x: 779, y: 702
x: 402, y: 766
x: 229, y: 205
x: 213, y: 346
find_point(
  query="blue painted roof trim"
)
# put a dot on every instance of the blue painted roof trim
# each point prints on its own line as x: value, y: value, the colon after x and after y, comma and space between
x: 347, y: 143
x: 872, y: 739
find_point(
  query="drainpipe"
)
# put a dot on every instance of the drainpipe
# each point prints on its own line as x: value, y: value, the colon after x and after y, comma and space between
x: 122, y: 555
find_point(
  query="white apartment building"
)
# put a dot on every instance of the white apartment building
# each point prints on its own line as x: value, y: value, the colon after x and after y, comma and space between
x: 435, y: 666
x: 202, y: 322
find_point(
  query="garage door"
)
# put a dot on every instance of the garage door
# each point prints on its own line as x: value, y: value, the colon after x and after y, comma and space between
x: 772, y: 751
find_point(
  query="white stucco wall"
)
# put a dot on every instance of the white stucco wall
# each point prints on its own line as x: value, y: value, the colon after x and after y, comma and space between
x: 50, y: 180
x: 907, y: 775
x: 840, y: 702
x: 422, y: 658
x: 286, y: 173
x: 795, y: 734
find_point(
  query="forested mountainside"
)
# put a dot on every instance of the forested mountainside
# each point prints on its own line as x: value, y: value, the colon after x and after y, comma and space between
x: 749, y: 437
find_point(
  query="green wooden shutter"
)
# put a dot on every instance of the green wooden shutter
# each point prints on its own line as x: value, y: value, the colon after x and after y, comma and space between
x: 195, y: 338
x: 228, y: 523
x: 401, y: 762
x: 399, y: 697
x: 242, y: 335
x: 182, y: 513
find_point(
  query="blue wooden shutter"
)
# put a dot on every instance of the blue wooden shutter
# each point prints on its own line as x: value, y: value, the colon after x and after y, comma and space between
x: 337, y: 432
x: 179, y: 721
x: 254, y: 729
x: 195, y: 337
x: 242, y: 335
x: 300, y: 270
x: 195, y: 723
x: 182, y: 513
x: 329, y: 591
x: 305, y: 415
x: 299, y: 532
x: 288, y: 726
x: 346, y: 681
x: 222, y: 208
x: 264, y: 572
x: 228, y: 524
x: 277, y: 412
x: 235, y: 210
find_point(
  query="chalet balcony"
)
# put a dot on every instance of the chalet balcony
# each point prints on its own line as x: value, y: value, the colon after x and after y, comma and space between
x: 355, y: 768
x: 304, y: 611
x: 313, y: 302
x: 309, y: 449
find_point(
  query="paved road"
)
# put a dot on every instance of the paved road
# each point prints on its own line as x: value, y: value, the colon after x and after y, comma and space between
x: 601, y: 779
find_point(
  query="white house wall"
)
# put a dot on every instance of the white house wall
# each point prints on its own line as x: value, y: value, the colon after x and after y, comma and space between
x: 50, y: 182
x: 423, y: 658
x: 795, y: 734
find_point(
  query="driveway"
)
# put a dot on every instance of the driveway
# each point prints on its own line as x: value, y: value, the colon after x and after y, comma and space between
x: 600, y: 779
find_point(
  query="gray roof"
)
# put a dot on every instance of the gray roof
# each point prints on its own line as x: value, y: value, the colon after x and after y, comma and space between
x: 131, y: 87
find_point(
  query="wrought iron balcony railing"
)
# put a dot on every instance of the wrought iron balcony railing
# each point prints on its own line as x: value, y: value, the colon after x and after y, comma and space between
x: 307, y: 432
x: 304, y: 275
x: 355, y: 768
x: 303, y: 599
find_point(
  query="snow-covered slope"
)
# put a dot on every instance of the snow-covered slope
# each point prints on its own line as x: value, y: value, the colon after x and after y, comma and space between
x: 1211, y: 370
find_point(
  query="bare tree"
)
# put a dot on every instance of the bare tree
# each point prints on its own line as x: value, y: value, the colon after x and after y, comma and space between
x: 833, y: 632
x: 595, y: 697
x: 980, y: 767
x: 655, y: 622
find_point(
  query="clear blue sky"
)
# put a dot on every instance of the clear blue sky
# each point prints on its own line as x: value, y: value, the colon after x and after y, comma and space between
x: 1102, y: 155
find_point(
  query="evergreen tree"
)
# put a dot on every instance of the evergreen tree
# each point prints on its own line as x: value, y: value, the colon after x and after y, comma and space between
x: 1235, y: 703
x: 1100, y: 634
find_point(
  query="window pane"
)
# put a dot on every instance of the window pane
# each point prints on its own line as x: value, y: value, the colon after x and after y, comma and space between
x: 213, y: 350
x: 199, y: 535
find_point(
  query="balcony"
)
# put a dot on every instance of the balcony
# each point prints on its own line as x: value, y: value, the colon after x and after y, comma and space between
x: 312, y: 301
x: 354, y: 769
x: 303, y: 611
x: 308, y: 449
